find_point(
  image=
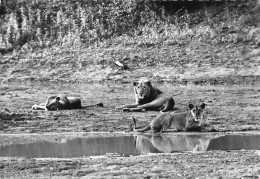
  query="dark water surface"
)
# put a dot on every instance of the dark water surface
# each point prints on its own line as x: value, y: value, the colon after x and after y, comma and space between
x: 63, y: 146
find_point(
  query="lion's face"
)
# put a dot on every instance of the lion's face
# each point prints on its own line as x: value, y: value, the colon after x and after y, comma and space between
x: 197, y: 112
x: 54, y: 105
x: 142, y: 89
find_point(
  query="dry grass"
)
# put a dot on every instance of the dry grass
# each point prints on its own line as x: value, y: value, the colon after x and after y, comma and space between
x: 220, y: 36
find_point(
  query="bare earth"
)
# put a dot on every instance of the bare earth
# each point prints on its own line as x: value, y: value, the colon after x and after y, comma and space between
x: 229, y: 107
x: 214, y: 164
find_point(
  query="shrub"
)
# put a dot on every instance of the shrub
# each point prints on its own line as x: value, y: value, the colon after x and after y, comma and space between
x: 79, y: 22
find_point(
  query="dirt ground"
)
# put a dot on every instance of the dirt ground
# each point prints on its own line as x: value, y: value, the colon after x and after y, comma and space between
x: 213, y: 164
x: 229, y: 108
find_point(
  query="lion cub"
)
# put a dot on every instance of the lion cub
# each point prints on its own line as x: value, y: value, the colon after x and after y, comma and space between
x: 61, y: 102
x: 194, y: 119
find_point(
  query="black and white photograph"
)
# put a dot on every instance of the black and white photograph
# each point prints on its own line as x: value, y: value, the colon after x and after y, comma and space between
x: 113, y: 89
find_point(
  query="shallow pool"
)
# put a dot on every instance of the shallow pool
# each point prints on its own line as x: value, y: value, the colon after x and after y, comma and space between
x: 70, y: 146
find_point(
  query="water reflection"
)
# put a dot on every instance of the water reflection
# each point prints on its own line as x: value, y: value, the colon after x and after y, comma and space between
x: 77, y: 147
x: 146, y: 143
x: 123, y: 145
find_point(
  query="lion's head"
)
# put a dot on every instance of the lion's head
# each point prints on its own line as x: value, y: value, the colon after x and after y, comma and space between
x: 142, y: 88
x: 54, y: 104
x: 197, y: 111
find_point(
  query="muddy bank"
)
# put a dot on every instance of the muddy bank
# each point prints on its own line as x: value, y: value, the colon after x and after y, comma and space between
x: 213, y: 164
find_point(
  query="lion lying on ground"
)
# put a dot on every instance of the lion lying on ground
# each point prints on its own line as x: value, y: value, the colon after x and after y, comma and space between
x: 61, y: 102
x: 193, y: 120
x: 148, y: 98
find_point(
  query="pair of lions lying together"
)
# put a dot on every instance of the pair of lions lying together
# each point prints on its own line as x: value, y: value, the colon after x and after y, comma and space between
x: 147, y: 98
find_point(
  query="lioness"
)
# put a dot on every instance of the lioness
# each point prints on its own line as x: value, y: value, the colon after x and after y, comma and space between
x: 148, y: 98
x: 193, y: 120
x: 61, y: 102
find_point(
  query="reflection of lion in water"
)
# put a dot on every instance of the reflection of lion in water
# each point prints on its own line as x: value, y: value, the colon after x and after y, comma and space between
x: 148, y: 98
x: 195, y: 119
x: 149, y: 143
x: 61, y: 102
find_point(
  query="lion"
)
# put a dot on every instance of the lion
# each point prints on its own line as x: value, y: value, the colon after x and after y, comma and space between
x: 193, y: 120
x: 148, y: 98
x: 61, y: 102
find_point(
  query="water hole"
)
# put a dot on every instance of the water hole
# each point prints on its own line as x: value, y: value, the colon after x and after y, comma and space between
x: 71, y: 146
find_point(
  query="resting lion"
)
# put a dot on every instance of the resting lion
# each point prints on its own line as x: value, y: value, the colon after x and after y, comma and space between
x: 193, y: 120
x: 61, y: 102
x: 148, y: 98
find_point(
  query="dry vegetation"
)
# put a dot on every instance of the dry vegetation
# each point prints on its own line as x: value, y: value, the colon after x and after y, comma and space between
x: 39, y: 24
x: 48, y: 35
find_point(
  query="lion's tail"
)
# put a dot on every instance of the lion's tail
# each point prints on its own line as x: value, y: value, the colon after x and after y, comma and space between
x: 142, y: 129
x: 98, y: 104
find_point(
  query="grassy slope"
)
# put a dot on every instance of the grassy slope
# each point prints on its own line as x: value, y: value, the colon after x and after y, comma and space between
x: 226, y: 53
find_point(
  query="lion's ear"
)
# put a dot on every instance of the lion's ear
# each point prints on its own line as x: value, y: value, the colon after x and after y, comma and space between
x: 191, y: 106
x: 57, y: 99
x: 148, y: 83
x: 135, y: 83
x: 202, y: 106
